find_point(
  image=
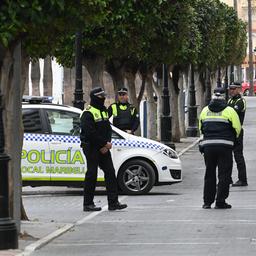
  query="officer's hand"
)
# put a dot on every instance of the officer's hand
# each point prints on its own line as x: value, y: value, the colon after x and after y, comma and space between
x: 103, y: 150
x: 129, y: 131
x: 108, y: 145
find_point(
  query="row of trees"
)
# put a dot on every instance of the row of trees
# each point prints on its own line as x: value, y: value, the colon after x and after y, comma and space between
x: 123, y: 37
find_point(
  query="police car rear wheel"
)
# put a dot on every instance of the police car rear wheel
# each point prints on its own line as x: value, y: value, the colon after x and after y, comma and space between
x: 136, y: 177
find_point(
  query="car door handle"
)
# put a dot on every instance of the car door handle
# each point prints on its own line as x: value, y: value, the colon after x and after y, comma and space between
x: 55, y: 142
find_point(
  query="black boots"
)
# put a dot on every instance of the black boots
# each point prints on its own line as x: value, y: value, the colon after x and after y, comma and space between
x: 240, y: 183
x: 222, y: 205
x: 91, y: 208
x: 117, y: 206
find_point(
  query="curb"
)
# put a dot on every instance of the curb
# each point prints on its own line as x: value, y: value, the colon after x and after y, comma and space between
x: 189, y: 147
x: 58, y: 232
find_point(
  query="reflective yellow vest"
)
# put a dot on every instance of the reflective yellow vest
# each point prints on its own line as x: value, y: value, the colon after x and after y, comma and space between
x: 98, y: 115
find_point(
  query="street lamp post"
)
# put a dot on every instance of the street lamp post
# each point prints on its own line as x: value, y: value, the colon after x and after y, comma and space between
x: 78, y: 101
x: 166, y: 119
x: 219, y: 78
x: 208, y: 87
x: 192, y: 130
x: 8, y: 229
x: 226, y: 83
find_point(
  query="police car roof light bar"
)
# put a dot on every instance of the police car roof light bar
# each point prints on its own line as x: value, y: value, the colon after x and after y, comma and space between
x: 37, y: 99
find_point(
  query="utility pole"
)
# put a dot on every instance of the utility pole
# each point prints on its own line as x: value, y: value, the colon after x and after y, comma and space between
x: 166, y: 119
x: 78, y: 101
x: 251, y: 91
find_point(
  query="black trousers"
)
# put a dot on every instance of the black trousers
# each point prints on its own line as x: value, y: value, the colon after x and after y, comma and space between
x: 94, y: 159
x: 239, y: 157
x: 217, y: 157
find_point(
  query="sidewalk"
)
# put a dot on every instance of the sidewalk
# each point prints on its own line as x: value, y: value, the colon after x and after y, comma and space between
x: 35, y: 234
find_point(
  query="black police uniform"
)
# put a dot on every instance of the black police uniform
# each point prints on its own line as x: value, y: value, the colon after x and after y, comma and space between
x: 220, y: 125
x: 95, y: 133
x: 237, y: 102
x: 125, y: 115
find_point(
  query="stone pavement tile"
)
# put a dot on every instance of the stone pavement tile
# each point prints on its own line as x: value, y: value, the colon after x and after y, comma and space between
x: 31, y: 231
x: 9, y: 252
x: 184, y: 143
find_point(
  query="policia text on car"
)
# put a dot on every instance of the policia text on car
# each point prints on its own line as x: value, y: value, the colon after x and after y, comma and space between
x: 220, y: 127
x: 96, y: 144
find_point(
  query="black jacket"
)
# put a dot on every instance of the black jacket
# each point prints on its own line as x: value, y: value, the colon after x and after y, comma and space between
x: 237, y: 102
x: 95, y: 134
x: 126, y: 119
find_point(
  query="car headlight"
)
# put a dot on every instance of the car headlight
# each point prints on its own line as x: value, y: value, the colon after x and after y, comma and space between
x: 170, y: 153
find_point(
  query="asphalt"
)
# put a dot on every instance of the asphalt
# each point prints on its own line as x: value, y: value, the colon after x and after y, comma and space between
x: 35, y: 234
x: 40, y: 230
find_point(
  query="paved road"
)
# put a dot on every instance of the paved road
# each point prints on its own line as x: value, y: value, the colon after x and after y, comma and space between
x: 168, y: 221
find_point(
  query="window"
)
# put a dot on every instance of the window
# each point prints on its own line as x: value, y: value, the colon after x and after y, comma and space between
x: 64, y: 122
x: 116, y: 136
x: 31, y: 121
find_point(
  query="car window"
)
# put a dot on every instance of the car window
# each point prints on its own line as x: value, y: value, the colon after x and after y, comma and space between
x: 64, y: 122
x: 116, y: 136
x: 31, y: 121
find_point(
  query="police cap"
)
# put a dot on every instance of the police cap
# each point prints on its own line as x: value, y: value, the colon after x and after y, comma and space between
x: 219, y: 93
x: 122, y: 90
x: 235, y: 85
x: 97, y: 91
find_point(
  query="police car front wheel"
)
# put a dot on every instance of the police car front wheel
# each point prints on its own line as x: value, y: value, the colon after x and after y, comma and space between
x: 136, y: 177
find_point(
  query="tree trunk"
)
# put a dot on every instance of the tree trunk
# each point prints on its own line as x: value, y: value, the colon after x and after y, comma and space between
x: 130, y: 77
x: 208, y: 88
x: 95, y: 66
x: 115, y: 70
x: 181, y: 101
x: 35, y: 78
x: 24, y: 78
x: 68, y: 87
x: 47, y: 76
x: 174, y: 94
x: 13, y: 77
x: 151, y: 110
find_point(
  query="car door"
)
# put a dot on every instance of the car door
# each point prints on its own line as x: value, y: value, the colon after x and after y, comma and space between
x: 35, y: 157
x: 67, y: 159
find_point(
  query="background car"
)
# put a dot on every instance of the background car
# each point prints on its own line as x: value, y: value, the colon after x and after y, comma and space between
x: 246, y: 88
x: 52, y: 155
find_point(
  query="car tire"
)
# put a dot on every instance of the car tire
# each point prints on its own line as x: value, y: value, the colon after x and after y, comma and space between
x: 136, y: 177
x: 246, y: 92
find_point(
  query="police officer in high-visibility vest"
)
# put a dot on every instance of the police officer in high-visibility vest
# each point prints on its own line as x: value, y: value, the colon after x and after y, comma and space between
x: 125, y: 115
x: 237, y: 102
x: 96, y: 144
x: 220, y: 127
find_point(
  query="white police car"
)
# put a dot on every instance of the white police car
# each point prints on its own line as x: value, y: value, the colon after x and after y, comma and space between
x: 51, y: 152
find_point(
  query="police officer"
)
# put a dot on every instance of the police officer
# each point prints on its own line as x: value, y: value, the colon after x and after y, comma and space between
x: 125, y: 116
x: 237, y: 102
x: 96, y: 144
x: 220, y: 126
